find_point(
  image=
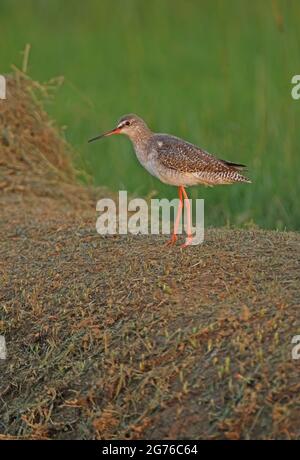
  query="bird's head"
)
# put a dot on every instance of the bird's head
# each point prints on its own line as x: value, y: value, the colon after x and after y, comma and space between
x: 131, y: 125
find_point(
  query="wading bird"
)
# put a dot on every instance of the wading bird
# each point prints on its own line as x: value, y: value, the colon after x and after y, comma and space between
x: 176, y: 162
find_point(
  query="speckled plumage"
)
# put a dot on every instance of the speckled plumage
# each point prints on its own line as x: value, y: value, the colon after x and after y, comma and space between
x: 175, y: 161
x: 187, y: 164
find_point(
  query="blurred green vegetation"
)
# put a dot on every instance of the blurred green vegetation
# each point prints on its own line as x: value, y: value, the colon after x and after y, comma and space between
x: 217, y: 73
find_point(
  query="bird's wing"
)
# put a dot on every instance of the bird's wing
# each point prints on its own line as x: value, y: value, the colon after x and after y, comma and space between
x: 174, y: 153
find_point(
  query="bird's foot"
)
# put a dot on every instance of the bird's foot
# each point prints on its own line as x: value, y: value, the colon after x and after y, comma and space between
x: 172, y: 240
x: 188, y: 242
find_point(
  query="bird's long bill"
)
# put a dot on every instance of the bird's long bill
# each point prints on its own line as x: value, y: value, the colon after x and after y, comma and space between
x: 108, y: 133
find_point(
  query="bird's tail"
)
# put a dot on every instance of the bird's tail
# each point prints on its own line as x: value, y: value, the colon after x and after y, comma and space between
x: 235, y: 166
x: 242, y: 178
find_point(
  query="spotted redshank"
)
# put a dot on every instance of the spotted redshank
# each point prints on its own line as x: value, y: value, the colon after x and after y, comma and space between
x: 176, y: 162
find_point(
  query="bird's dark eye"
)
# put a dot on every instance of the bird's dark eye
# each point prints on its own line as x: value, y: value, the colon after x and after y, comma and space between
x: 127, y: 123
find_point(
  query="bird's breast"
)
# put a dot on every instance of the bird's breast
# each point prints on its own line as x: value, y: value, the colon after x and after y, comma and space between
x: 146, y: 159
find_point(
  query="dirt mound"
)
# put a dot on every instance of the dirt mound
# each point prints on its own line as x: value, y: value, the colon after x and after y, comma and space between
x: 122, y: 337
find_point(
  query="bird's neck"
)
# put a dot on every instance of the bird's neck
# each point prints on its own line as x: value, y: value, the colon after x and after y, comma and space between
x: 140, y: 140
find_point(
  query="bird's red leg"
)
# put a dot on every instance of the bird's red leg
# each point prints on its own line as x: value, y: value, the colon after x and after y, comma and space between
x: 173, y: 238
x: 188, y: 210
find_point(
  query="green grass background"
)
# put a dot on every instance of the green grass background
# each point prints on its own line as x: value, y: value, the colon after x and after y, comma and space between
x: 216, y: 72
